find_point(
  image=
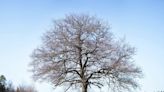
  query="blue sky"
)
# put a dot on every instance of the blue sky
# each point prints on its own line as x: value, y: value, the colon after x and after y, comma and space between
x: 23, y: 22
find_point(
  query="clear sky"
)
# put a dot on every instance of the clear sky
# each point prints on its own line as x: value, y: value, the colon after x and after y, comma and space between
x: 22, y: 23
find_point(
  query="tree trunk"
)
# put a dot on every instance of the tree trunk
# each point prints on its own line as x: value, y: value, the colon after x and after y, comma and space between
x: 84, y: 87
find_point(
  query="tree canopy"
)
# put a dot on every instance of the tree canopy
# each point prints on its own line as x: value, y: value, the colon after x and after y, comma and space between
x: 2, y: 83
x: 8, y: 86
x: 81, y: 51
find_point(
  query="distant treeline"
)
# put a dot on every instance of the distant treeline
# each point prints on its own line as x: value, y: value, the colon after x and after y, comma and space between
x: 9, y: 87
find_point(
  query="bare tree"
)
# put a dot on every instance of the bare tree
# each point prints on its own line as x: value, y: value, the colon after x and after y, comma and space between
x: 10, y: 87
x: 81, y: 51
x: 23, y: 88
